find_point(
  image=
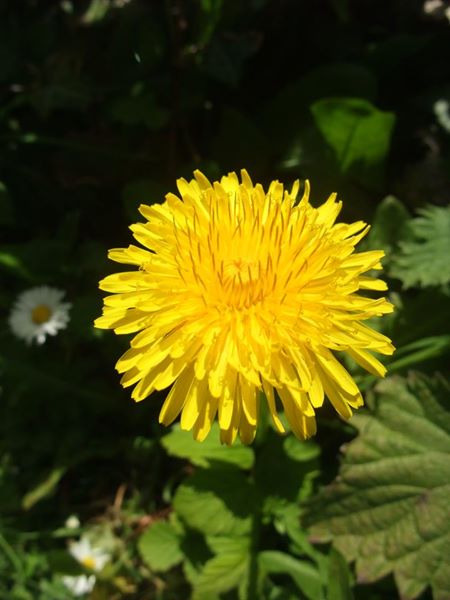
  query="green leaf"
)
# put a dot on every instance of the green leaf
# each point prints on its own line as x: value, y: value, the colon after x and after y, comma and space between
x: 181, y: 444
x: 224, y: 571
x: 216, y: 502
x: 44, y: 488
x: 423, y: 260
x: 339, y: 582
x: 159, y: 546
x: 305, y: 575
x: 284, y: 471
x: 13, y: 263
x: 388, y: 510
x: 419, y: 351
x: 359, y: 135
x: 388, y: 225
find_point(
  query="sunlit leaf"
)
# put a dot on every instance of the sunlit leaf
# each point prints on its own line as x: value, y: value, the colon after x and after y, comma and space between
x: 358, y: 134
x: 305, y: 575
x: 159, y: 546
x: 181, y: 443
x: 216, y: 502
x: 388, y: 510
x: 423, y: 259
x: 224, y: 571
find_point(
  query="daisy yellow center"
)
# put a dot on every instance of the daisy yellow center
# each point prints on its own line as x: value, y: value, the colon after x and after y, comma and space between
x: 40, y: 314
x: 241, y: 291
x: 88, y: 562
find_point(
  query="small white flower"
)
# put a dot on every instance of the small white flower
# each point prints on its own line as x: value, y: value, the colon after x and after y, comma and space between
x: 91, y: 558
x: 72, y: 522
x: 83, y: 584
x: 39, y: 312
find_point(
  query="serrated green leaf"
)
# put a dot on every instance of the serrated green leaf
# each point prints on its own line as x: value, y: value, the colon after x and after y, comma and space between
x: 159, y: 546
x: 388, y: 510
x: 223, y: 572
x: 305, y: 575
x: 359, y: 135
x: 216, y: 502
x: 181, y: 444
x: 423, y: 260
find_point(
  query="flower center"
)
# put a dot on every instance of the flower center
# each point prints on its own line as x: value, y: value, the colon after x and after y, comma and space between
x: 88, y: 562
x: 40, y: 314
x: 242, y: 270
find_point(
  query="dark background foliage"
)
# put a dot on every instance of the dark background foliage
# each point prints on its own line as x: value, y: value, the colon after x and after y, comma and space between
x: 103, y: 104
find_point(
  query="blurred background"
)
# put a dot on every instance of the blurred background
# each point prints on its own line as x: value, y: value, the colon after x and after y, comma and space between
x: 103, y: 104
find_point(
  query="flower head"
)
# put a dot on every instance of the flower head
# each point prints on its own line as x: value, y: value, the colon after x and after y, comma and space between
x: 240, y: 291
x: 79, y: 585
x: 93, y: 559
x: 39, y: 312
x: 90, y: 557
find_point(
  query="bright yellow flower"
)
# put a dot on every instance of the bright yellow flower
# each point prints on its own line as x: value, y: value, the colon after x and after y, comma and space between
x: 241, y: 291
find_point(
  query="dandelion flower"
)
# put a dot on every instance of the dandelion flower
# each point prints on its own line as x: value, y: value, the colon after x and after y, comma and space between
x: 240, y: 291
x: 39, y: 312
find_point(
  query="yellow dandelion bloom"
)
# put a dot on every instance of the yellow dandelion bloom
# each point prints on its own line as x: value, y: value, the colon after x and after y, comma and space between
x: 241, y: 291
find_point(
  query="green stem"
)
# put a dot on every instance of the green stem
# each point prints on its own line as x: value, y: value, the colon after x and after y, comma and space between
x: 252, y: 588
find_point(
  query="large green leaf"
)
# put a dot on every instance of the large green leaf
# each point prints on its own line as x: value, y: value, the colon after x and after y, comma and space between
x: 423, y: 259
x: 216, y: 502
x: 224, y: 571
x: 159, y: 546
x: 359, y: 135
x: 180, y: 443
x: 389, y: 508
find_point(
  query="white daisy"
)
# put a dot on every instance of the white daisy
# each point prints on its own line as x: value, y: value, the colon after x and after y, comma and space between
x: 90, y: 557
x: 39, y: 312
x: 80, y: 585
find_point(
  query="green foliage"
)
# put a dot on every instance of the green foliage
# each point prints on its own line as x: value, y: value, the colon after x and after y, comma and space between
x: 359, y: 135
x: 423, y: 257
x: 181, y: 444
x: 103, y: 104
x: 389, y: 510
x: 159, y: 546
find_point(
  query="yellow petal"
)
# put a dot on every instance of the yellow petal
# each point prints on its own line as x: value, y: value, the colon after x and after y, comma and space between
x: 176, y: 397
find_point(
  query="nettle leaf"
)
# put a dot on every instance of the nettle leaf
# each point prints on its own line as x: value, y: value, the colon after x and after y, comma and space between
x: 423, y: 259
x: 159, y: 546
x: 359, y: 135
x: 389, y: 508
x: 181, y: 444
